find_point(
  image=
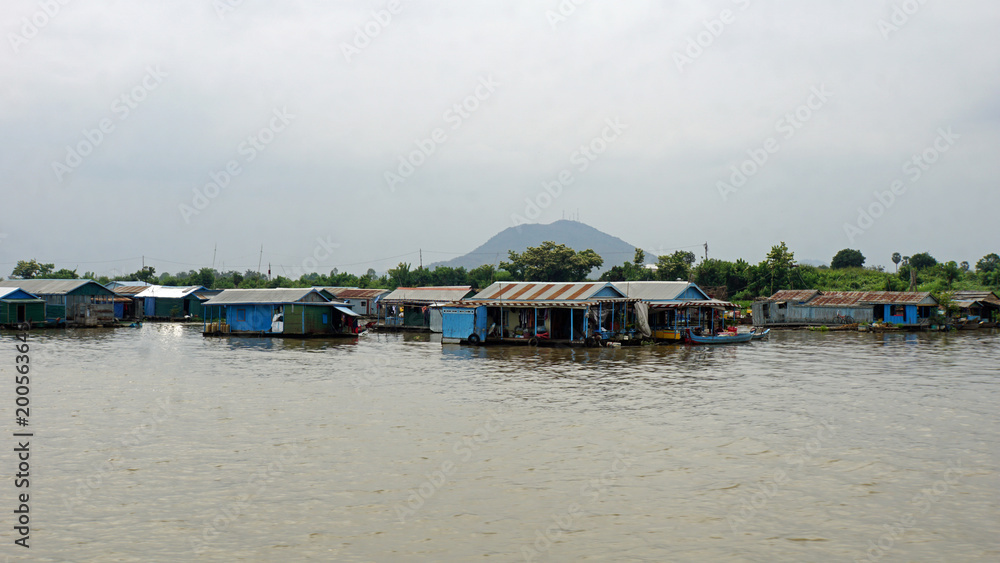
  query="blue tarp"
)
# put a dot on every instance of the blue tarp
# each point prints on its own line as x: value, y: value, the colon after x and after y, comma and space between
x: 149, y: 306
x: 119, y: 310
x: 253, y: 318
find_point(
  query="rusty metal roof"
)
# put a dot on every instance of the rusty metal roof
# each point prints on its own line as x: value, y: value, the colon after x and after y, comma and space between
x: 268, y: 296
x: 540, y: 291
x: 853, y: 298
x: 796, y: 295
x: 129, y: 290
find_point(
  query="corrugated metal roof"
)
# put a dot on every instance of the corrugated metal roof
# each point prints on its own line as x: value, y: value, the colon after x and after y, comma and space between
x: 50, y: 287
x: 654, y: 290
x: 169, y: 292
x: 427, y: 294
x: 514, y: 304
x: 261, y: 296
x: 118, y: 283
x: 794, y: 295
x: 714, y: 303
x: 853, y: 298
x: 129, y: 290
x: 981, y: 296
x: 355, y: 293
x: 538, y: 291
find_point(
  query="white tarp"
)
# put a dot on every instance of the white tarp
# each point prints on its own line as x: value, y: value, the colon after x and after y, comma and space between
x: 642, y: 318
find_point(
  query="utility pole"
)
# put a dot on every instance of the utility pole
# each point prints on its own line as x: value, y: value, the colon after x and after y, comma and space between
x: 259, y: 260
x: 216, y: 249
x: 706, y: 251
x: 421, y: 258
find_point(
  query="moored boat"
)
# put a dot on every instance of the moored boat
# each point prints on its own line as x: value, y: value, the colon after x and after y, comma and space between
x: 691, y: 338
x: 760, y: 335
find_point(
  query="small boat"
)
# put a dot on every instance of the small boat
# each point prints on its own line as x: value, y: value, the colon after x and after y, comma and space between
x: 691, y: 338
x: 760, y: 335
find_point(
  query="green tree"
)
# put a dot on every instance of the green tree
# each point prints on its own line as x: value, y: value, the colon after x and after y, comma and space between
x: 146, y: 274
x: 922, y: 261
x: 779, y: 264
x: 63, y: 274
x: 896, y: 259
x: 550, y: 262
x: 988, y: 270
x: 676, y: 266
x: 847, y: 258
x: 31, y: 269
x: 206, y: 278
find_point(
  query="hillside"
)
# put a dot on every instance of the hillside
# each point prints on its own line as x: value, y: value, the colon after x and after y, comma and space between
x: 573, y: 234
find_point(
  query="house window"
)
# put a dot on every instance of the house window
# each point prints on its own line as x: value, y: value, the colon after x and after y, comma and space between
x: 241, y: 315
x: 364, y: 304
x: 898, y: 310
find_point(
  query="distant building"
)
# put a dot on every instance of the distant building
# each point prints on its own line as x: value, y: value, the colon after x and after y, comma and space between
x: 982, y: 305
x: 675, y: 306
x: 77, y: 302
x: 362, y: 301
x: 127, y: 306
x: 169, y: 302
x: 811, y: 307
x: 413, y: 307
x: 18, y: 306
x: 297, y: 312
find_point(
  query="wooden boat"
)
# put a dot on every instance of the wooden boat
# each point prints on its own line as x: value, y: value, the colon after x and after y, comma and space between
x: 760, y: 335
x: 691, y: 338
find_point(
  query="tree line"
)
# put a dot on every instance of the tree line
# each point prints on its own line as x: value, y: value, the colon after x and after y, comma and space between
x: 551, y: 262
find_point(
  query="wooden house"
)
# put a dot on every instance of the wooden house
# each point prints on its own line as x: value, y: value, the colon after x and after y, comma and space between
x: 585, y: 313
x: 676, y: 306
x: 18, y: 307
x: 302, y: 312
x: 811, y: 307
x: 412, y: 307
x: 362, y: 301
x: 74, y: 302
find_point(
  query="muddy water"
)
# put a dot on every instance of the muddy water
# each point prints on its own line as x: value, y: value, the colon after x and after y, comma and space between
x: 156, y: 444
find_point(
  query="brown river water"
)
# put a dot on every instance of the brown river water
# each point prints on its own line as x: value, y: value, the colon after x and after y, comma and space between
x: 156, y: 444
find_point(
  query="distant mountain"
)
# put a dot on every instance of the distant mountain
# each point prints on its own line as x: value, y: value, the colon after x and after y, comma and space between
x: 573, y: 234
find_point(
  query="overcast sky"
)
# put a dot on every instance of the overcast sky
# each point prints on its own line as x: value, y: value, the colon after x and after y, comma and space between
x: 646, y: 110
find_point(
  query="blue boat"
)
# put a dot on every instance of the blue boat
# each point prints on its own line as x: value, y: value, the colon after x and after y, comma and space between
x: 760, y: 335
x: 691, y: 338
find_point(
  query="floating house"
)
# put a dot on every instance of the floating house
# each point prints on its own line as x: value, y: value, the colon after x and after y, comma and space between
x: 412, y: 307
x: 170, y: 302
x: 978, y: 305
x: 75, y: 302
x: 541, y: 313
x: 300, y: 313
x: 18, y: 306
x: 676, y: 306
x: 362, y: 301
x: 811, y: 307
x: 127, y: 306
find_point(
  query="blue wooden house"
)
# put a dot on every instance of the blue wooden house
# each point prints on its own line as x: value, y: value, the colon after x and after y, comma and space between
x: 303, y: 312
